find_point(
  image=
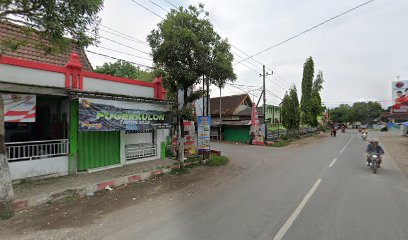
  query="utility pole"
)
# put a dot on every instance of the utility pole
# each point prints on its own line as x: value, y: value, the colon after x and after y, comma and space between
x: 220, y: 115
x: 203, y: 97
x: 264, y: 75
x: 208, y: 97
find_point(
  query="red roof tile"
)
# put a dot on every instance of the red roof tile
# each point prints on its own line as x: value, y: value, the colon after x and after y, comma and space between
x: 31, y: 53
x: 228, y: 103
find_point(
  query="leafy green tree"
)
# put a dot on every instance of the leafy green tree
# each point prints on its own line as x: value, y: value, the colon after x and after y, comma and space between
x: 307, y: 87
x: 126, y: 70
x: 53, y: 20
x: 186, y: 47
x: 341, y: 113
x: 290, y: 110
x: 364, y: 112
x: 50, y: 21
x: 316, y: 107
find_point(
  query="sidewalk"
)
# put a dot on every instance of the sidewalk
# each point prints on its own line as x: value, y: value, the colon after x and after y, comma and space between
x: 397, y: 147
x: 36, y: 193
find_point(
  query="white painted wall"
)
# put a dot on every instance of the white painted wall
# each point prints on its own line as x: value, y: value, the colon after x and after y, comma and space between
x: 22, y: 75
x: 98, y: 85
x: 136, y: 138
x: 39, y: 167
x: 160, y: 137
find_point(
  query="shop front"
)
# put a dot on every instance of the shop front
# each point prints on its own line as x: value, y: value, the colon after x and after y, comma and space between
x: 36, y: 134
x: 114, y: 132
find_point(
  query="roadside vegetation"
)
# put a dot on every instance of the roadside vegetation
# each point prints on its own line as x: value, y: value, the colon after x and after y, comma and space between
x: 217, y: 160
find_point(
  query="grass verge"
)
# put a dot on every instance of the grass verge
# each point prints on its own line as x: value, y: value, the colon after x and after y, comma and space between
x: 217, y: 160
x: 281, y: 143
x: 179, y: 171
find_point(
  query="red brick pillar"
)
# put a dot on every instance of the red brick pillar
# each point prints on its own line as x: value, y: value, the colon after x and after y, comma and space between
x: 73, y: 78
x: 159, y: 91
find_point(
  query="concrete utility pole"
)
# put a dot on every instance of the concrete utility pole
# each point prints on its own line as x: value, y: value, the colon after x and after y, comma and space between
x: 220, y: 116
x: 6, y: 188
x: 264, y: 75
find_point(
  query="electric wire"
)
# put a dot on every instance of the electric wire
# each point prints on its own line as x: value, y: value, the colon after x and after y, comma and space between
x: 309, y: 29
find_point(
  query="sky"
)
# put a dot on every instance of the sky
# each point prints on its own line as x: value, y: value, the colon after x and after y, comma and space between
x: 360, y: 53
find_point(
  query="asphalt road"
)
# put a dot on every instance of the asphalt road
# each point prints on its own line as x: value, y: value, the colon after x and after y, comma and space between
x: 290, y: 193
x: 315, y: 191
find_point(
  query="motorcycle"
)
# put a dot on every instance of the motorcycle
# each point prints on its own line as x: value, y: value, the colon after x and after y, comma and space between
x: 364, y: 136
x: 375, y: 161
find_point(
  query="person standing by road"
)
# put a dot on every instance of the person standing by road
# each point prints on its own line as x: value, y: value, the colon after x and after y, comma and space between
x: 334, y: 131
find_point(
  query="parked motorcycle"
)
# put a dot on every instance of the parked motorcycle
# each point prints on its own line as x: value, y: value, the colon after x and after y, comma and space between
x: 375, y: 161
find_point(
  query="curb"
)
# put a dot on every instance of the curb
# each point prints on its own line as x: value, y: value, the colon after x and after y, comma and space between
x: 90, y: 189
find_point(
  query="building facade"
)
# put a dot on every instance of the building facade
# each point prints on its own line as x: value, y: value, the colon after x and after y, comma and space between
x: 61, y: 118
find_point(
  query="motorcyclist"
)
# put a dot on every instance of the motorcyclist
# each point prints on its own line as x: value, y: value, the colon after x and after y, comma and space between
x: 374, y: 147
x: 365, y: 131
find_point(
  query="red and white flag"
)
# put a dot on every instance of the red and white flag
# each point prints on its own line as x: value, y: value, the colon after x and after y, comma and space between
x: 254, y: 117
x: 19, y: 107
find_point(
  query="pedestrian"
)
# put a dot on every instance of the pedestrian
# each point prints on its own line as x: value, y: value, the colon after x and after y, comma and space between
x: 251, y: 137
x: 334, y: 131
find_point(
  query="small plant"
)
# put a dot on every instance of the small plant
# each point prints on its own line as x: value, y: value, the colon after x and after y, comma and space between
x: 169, y: 151
x: 284, y: 137
x: 281, y: 143
x: 217, y: 160
x: 179, y: 171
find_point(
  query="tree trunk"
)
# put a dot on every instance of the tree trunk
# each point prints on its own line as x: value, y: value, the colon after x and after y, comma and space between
x: 6, y: 188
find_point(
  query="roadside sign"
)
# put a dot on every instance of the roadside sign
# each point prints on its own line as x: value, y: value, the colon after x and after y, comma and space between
x: 204, y: 132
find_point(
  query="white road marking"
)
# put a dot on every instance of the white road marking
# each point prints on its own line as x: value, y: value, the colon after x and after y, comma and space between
x: 284, y: 229
x: 345, y: 146
x: 332, y: 163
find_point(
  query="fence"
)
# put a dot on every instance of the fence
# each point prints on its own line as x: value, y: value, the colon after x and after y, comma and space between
x: 24, y: 151
x: 275, y: 135
x: 135, y: 151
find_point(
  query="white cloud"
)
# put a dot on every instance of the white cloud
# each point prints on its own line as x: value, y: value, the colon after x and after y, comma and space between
x: 359, y: 53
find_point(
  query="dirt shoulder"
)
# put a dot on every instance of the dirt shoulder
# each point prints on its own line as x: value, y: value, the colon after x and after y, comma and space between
x: 397, y: 147
x: 85, y: 212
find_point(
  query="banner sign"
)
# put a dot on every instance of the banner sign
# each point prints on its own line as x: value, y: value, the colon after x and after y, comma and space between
x: 100, y: 115
x: 19, y: 107
x: 400, y: 96
x: 204, y: 132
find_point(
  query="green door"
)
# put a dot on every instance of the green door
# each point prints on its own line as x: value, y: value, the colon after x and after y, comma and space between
x: 98, y: 149
x: 236, y: 133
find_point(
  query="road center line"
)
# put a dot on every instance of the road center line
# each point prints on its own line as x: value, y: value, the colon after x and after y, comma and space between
x: 284, y: 229
x: 332, y: 163
x: 345, y: 146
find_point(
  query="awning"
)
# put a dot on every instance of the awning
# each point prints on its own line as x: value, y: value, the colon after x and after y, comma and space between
x: 231, y: 123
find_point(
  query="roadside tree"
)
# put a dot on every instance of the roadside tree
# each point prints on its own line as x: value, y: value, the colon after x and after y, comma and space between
x: 186, y: 47
x: 290, y: 110
x: 53, y: 21
x: 126, y: 70
x: 316, y: 107
x: 307, y: 88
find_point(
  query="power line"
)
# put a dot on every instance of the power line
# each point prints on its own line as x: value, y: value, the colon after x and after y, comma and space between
x: 276, y: 84
x: 171, y: 4
x: 256, y: 62
x: 242, y: 85
x: 119, y: 43
x: 308, y: 30
x: 125, y: 37
x: 129, y: 54
x: 269, y: 91
x: 157, y: 5
x: 147, y: 9
x: 236, y: 54
x: 115, y: 58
